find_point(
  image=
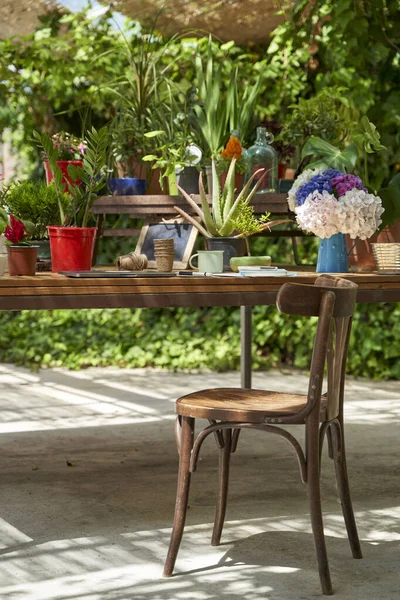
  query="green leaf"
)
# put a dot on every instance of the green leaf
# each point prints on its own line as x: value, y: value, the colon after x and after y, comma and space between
x: 216, y: 196
x: 366, y: 136
x: 208, y: 220
x: 150, y: 158
x: 151, y: 134
x: 391, y: 202
x: 329, y: 155
x: 230, y: 189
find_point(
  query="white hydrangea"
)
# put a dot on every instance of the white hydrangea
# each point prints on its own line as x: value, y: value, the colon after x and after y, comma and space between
x: 357, y: 213
x: 363, y: 213
x: 303, y: 178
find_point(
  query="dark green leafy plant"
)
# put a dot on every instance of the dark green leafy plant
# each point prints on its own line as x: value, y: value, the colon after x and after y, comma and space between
x: 319, y: 116
x: 37, y: 202
x: 204, y: 338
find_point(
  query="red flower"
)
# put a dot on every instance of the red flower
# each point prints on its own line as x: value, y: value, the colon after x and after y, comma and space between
x: 15, y: 232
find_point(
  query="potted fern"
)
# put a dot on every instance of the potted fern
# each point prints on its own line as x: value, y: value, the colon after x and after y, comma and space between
x: 229, y: 220
x: 72, y: 243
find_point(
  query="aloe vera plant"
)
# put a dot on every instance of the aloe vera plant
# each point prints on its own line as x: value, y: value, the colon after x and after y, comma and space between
x: 220, y: 220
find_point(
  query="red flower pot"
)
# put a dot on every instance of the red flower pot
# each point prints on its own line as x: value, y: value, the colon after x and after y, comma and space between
x: 22, y: 260
x: 71, y: 248
x: 63, y: 165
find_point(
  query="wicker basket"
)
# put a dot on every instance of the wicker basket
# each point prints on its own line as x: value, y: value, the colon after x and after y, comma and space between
x: 387, y: 258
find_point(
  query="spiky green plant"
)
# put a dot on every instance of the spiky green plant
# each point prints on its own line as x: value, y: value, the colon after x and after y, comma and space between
x: 220, y: 220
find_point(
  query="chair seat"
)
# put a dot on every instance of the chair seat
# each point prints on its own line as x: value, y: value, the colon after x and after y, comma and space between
x: 237, y: 404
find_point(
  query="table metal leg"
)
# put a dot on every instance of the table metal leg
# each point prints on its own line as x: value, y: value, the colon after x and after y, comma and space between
x: 245, y: 346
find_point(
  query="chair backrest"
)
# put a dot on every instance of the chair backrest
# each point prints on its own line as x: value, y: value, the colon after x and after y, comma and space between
x: 332, y: 300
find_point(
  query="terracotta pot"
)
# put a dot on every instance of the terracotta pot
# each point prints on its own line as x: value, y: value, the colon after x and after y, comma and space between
x: 63, y: 165
x: 22, y: 260
x: 290, y: 173
x: 239, y: 180
x: 361, y: 258
x: 71, y: 248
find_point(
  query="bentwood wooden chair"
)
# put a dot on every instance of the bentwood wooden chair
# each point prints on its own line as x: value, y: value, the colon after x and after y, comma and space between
x: 228, y: 411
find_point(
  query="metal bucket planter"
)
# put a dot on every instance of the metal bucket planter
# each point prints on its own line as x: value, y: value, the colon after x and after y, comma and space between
x: 231, y: 247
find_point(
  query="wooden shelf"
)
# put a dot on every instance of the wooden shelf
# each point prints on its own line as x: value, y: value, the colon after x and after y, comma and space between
x: 142, y: 206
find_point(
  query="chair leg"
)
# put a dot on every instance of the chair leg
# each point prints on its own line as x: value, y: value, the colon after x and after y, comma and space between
x: 314, y: 499
x: 182, y: 494
x: 344, y: 488
x: 223, y: 483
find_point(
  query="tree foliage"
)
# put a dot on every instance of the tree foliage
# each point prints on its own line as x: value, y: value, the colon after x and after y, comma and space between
x: 76, y: 71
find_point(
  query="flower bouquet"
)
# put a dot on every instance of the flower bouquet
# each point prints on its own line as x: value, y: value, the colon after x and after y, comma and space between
x: 329, y: 204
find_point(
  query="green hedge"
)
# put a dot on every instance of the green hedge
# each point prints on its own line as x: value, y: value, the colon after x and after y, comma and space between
x: 194, y: 339
x: 190, y: 339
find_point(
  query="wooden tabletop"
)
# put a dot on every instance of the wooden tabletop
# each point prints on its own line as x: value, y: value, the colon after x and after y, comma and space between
x: 51, y: 291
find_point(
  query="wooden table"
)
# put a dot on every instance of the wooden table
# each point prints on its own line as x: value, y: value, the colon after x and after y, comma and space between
x: 53, y: 291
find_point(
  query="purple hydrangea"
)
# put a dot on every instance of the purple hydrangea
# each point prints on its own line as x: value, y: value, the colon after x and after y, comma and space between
x: 321, y: 182
x: 343, y: 183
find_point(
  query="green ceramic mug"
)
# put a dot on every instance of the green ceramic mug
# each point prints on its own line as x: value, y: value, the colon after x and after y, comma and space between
x: 209, y: 261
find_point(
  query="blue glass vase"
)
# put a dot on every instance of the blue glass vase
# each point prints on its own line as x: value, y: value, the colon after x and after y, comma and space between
x: 332, y: 255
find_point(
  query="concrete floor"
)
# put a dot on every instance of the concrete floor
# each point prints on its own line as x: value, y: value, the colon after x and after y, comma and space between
x: 87, y: 487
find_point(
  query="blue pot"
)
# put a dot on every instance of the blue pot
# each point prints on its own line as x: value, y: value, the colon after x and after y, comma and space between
x: 332, y: 255
x: 127, y: 186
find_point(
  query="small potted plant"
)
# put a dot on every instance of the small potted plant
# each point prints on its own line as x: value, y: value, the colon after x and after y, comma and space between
x: 22, y: 255
x: 129, y: 173
x: 173, y: 153
x: 70, y: 152
x: 36, y: 202
x: 72, y: 243
x: 221, y: 224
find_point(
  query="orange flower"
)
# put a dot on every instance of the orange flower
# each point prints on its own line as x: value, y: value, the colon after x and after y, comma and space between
x: 233, y: 148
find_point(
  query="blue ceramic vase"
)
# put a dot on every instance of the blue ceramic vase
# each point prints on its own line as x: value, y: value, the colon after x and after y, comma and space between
x: 332, y: 255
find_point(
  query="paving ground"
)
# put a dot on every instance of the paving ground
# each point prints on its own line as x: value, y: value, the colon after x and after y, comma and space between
x: 87, y: 486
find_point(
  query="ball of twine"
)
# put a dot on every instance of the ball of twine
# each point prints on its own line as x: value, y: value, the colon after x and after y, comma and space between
x: 132, y: 262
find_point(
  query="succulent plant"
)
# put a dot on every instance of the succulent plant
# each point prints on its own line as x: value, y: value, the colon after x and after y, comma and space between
x: 220, y: 220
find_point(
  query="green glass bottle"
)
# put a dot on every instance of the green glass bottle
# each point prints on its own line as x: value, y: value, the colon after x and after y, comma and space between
x: 263, y: 156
